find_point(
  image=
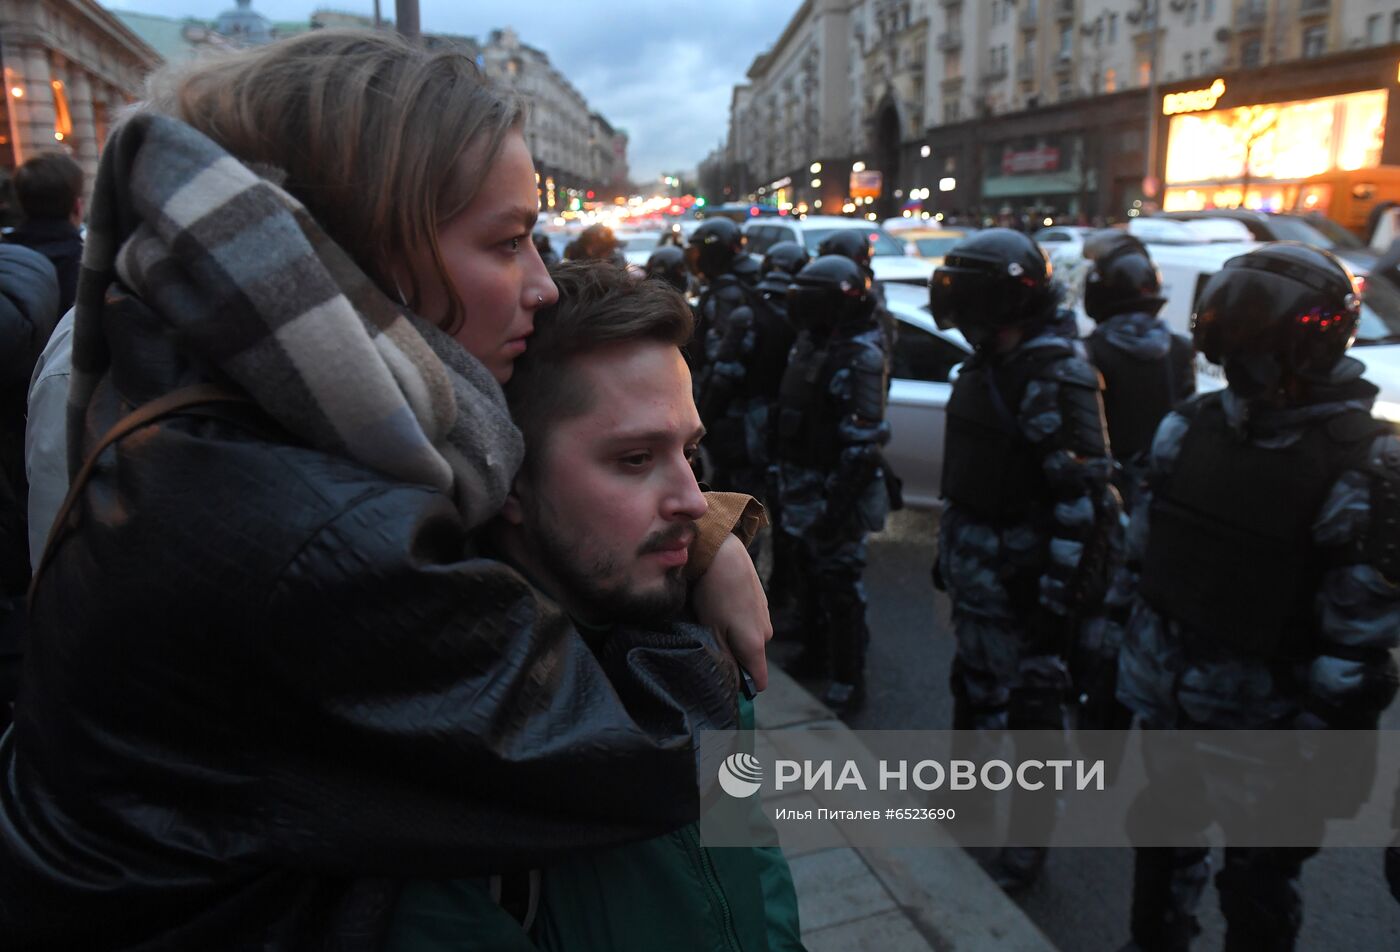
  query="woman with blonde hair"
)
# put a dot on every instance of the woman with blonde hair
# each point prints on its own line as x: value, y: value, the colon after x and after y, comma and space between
x: 269, y: 675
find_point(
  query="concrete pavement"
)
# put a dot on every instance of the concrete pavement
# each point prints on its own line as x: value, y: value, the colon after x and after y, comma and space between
x: 890, y: 900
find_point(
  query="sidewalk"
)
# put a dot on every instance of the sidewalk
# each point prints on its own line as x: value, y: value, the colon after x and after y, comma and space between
x: 906, y: 900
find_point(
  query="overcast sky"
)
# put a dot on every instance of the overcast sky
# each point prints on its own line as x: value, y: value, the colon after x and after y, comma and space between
x: 663, y: 70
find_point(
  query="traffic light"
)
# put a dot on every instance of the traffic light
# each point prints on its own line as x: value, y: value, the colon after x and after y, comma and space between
x: 699, y: 201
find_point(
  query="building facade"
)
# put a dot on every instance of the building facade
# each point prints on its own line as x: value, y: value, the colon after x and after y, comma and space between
x: 69, y: 66
x: 1060, y: 107
x: 575, y: 150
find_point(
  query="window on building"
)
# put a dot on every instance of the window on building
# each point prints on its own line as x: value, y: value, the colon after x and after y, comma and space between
x: 1110, y: 80
x: 952, y: 19
x: 952, y: 64
x: 1249, y: 53
x: 1208, y: 11
x: 1205, y: 60
x: 1191, y: 12
x: 1066, y: 41
x: 1063, y: 89
x: 1373, y: 29
x: 1314, y: 41
x: 1188, y: 64
x: 1395, y: 27
x: 1113, y: 28
x: 950, y: 110
x: 1144, y: 73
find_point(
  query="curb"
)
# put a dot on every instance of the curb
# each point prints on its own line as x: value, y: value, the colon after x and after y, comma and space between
x: 892, y: 900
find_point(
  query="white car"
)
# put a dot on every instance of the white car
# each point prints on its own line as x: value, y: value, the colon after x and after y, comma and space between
x: 637, y: 246
x: 891, y: 262
x: 922, y: 371
x: 1062, y: 243
x: 1187, y: 267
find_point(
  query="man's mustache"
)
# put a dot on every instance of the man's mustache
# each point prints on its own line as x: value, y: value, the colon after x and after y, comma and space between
x: 684, y: 532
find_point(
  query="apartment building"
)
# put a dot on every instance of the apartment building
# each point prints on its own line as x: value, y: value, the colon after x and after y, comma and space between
x: 1094, y: 108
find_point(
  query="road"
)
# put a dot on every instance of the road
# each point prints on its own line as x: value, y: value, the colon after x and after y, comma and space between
x: 1082, y: 902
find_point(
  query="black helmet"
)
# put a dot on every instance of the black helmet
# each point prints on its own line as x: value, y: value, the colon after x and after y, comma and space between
x: 668, y: 264
x: 853, y: 243
x: 713, y: 247
x: 993, y: 279
x: 1122, y: 278
x: 1287, y: 301
x: 832, y: 290
x: 787, y: 257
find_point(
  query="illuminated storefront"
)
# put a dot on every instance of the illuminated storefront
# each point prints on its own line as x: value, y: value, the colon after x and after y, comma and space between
x: 1254, y: 147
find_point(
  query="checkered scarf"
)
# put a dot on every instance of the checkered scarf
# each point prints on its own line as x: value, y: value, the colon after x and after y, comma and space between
x: 248, y: 281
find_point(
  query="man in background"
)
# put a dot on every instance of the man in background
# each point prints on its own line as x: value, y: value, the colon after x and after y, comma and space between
x: 49, y: 189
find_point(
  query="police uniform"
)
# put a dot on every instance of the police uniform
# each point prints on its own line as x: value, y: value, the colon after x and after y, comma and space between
x: 830, y: 429
x: 1268, y: 532
x: 1026, y: 532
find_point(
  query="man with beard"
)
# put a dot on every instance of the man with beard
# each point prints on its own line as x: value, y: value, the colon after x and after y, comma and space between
x: 601, y: 518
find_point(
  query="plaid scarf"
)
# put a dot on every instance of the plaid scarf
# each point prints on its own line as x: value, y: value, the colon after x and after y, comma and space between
x: 248, y: 281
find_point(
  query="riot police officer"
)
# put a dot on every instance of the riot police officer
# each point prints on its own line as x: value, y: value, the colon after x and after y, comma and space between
x: 1270, y: 586
x: 830, y: 428
x: 1025, y: 537
x: 668, y: 264
x: 781, y: 263
x: 723, y: 332
x: 854, y: 243
x: 1146, y: 368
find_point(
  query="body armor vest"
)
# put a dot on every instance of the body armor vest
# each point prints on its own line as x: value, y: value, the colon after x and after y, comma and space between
x: 989, y: 467
x: 1230, y: 554
x: 804, y: 437
x: 1138, y: 393
x: 773, y: 340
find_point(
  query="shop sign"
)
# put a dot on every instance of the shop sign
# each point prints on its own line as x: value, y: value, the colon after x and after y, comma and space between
x: 866, y: 184
x: 1045, y: 158
x: 1195, y: 100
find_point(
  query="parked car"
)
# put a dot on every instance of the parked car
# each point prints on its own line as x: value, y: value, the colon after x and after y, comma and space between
x: 1063, y: 242
x: 921, y: 375
x: 637, y: 246
x: 1274, y: 226
x: 932, y: 244
x: 1187, y: 267
x: 892, y: 263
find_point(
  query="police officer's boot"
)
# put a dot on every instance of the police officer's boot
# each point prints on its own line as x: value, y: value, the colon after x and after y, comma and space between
x: 1167, y: 887
x: 850, y: 637
x: 1018, y: 867
x: 1260, y: 898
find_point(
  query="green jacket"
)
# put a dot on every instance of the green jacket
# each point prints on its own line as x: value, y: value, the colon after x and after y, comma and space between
x: 669, y: 892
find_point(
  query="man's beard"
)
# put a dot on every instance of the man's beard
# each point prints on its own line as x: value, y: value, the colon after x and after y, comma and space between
x: 597, y: 601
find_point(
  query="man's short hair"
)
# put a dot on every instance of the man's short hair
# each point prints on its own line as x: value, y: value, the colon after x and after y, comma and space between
x: 599, y: 305
x: 48, y: 186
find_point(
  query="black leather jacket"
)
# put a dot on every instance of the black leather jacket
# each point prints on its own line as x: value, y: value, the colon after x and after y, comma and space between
x: 266, y: 682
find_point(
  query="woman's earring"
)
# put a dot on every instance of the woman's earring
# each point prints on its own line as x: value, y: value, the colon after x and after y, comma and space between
x: 402, y: 298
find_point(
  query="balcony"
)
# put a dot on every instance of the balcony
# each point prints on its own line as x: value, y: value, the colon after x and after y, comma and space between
x: 1029, y: 17
x: 1064, y: 9
x: 1063, y: 62
x: 993, y: 71
x: 1250, y: 17
x: 948, y: 42
x: 1314, y: 8
x: 952, y: 84
x: 950, y: 3
x: 1025, y: 69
